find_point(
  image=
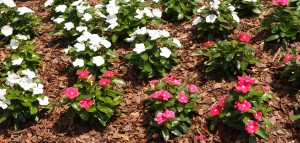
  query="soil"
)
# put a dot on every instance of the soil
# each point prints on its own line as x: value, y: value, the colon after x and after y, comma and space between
x: 133, y: 125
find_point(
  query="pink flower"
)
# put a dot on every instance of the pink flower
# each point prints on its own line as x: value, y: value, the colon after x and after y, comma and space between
x: 108, y: 74
x: 160, y: 118
x: 71, y: 92
x: 257, y: 115
x: 288, y: 58
x: 208, y: 43
x: 251, y: 127
x: 216, y: 110
x: 264, y: 88
x: 222, y: 100
x: 104, y: 82
x: 169, y: 114
x: 201, y: 137
x: 176, y: 82
x: 246, y: 79
x: 192, y: 88
x: 243, y: 37
x: 243, y: 106
x: 244, y: 84
x: 182, y: 98
x: 280, y: 2
x: 86, y: 103
x: 162, y: 94
x: 170, y: 79
x: 153, y: 82
x: 83, y: 73
x: 297, y: 57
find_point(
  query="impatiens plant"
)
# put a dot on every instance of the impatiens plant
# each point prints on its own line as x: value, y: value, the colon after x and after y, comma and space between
x: 244, y: 109
x: 172, y: 103
x: 216, y: 19
x: 154, y: 51
x: 283, y: 22
x: 178, y: 10
x: 246, y: 7
x: 232, y: 57
x: 291, y: 68
x: 17, y: 20
x: 93, y: 99
x: 124, y: 16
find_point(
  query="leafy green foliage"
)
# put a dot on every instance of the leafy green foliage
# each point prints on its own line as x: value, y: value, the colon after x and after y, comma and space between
x: 182, y: 110
x: 232, y: 57
x: 291, y: 68
x: 246, y: 7
x: 178, y: 10
x: 283, y: 22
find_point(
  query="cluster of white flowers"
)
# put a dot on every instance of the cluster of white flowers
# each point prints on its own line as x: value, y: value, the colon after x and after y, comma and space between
x: 147, y: 11
x: 211, y: 18
x: 112, y: 9
x: 3, y: 102
x: 8, y: 3
x: 153, y: 34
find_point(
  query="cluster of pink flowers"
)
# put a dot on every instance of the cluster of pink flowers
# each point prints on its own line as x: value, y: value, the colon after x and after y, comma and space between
x: 242, y: 37
x: 173, y: 80
x: 163, y: 116
x: 161, y: 94
x: 280, y: 2
x: 244, y: 84
x: 72, y: 92
x: 208, y: 43
x: 290, y: 57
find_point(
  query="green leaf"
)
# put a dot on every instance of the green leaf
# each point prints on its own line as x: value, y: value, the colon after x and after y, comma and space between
x: 293, y: 117
x: 144, y: 56
x: 273, y: 37
x: 76, y: 106
x: 4, y: 116
x: 84, y: 115
x: 70, y: 113
x: 92, y: 108
x: 114, y: 38
x: 119, y: 82
x: 176, y: 132
x: 33, y: 110
x: 267, y: 121
x: 252, y: 139
x: 262, y: 133
x: 165, y: 133
x: 230, y: 56
x: 147, y: 68
x: 184, y: 128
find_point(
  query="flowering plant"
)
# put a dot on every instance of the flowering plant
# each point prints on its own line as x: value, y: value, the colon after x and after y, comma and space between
x: 244, y: 109
x: 93, y: 101
x: 178, y: 9
x: 153, y: 51
x: 217, y: 18
x: 172, y: 102
x: 291, y: 68
x: 283, y: 22
x: 245, y: 7
x: 17, y: 20
x: 124, y: 16
x: 22, y: 94
x: 230, y: 56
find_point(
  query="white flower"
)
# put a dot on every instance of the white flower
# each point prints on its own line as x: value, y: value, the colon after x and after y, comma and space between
x: 141, y: 31
x: 59, y: 20
x: 76, y: 3
x: 61, y: 8
x: 17, y: 61
x: 81, y: 28
x: 23, y: 10
x: 235, y: 17
x: 69, y: 25
x: 177, y: 42
x: 79, y: 47
x: 165, y: 52
x: 82, y: 7
x: 4, y: 104
x: 250, y: 0
x: 14, y: 44
x: 84, y: 37
x: 98, y: 5
x: 38, y: 89
x: 2, y: 93
x: 148, y: 12
x: 29, y: 73
x: 12, y: 78
x: 105, y: 43
x: 9, y: 3
x: 44, y: 101
x: 157, y: 13
x: 200, y: 9
x: 211, y: 18
x: 26, y: 83
x: 98, y: 60
x: 156, y: 1
x: 112, y: 20
x: 139, y: 48
x: 214, y: 4
x: 164, y: 33
x: 231, y: 8
x: 100, y: 14
x: 154, y: 34
x: 140, y: 14
x: 130, y: 39
x: 87, y: 17
x: 67, y: 50
x: 22, y: 37
x: 6, y: 30
x: 78, y: 63
x: 112, y: 8
x: 197, y: 20
x: 48, y: 3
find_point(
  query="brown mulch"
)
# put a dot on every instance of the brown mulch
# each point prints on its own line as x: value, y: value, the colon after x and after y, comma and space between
x: 133, y: 125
